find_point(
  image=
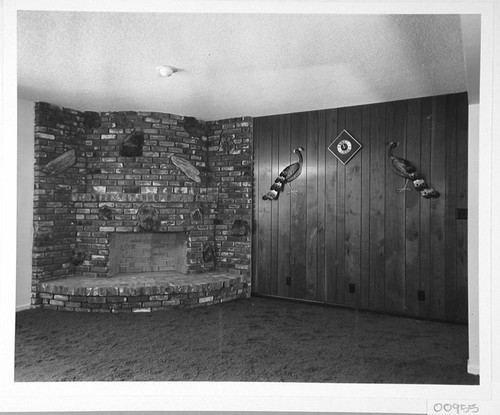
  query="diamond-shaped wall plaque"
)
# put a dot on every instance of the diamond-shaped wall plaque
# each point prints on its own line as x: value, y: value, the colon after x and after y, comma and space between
x: 344, y: 147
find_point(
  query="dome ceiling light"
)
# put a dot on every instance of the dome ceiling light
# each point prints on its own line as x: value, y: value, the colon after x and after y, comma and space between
x: 166, y: 70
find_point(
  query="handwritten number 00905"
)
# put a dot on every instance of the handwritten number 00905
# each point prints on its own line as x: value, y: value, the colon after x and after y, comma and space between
x: 455, y: 408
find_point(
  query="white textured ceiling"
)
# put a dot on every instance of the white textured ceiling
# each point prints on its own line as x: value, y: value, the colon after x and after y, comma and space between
x: 235, y: 64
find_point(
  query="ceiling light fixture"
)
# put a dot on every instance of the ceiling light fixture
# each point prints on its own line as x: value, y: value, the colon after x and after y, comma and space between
x: 166, y: 70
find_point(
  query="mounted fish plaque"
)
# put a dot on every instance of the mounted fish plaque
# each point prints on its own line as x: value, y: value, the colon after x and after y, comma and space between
x: 344, y: 147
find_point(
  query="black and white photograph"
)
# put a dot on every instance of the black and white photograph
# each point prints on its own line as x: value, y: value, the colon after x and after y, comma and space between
x: 263, y: 206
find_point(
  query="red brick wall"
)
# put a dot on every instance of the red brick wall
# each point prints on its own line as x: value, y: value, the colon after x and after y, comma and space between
x: 57, y: 130
x: 124, y: 184
x: 68, y: 206
x: 231, y: 164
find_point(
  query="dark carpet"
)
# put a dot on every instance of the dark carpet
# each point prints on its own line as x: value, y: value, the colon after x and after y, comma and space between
x: 257, y: 339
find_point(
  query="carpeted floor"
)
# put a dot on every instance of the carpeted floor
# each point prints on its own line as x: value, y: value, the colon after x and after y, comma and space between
x: 258, y: 339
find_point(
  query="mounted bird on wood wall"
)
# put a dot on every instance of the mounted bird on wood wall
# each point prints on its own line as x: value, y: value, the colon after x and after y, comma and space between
x: 405, y: 169
x: 288, y: 175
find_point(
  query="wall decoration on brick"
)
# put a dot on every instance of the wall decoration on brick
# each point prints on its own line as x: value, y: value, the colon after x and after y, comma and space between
x: 197, y: 214
x: 61, y: 163
x: 240, y: 228
x: 78, y: 257
x: 42, y: 235
x: 227, y: 143
x: 92, y: 119
x: 148, y: 218
x: 208, y: 253
x: 132, y: 144
x: 105, y: 212
x: 194, y: 127
x: 187, y: 168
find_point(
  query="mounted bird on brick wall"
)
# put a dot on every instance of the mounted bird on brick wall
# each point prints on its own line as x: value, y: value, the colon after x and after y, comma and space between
x: 187, y: 168
x: 61, y: 163
x: 288, y: 175
x: 405, y: 169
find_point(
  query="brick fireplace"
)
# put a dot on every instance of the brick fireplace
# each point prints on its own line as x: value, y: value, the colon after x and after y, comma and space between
x: 87, y: 218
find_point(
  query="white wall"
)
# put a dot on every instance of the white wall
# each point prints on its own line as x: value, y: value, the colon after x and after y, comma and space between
x: 471, y: 40
x: 25, y: 183
x: 473, y: 241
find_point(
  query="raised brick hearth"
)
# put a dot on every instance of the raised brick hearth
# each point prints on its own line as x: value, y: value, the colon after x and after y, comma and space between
x: 142, y: 292
x: 105, y: 192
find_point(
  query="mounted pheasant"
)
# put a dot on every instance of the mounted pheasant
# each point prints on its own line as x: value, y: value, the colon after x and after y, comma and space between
x: 405, y: 169
x: 288, y: 175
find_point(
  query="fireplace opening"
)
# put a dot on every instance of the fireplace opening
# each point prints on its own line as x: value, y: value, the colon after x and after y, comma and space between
x: 147, y: 252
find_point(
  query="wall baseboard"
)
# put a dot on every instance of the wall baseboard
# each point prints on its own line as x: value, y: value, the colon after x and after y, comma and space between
x: 472, y: 368
x: 23, y: 307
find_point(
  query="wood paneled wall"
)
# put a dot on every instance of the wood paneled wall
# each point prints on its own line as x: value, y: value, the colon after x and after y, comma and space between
x: 347, y: 228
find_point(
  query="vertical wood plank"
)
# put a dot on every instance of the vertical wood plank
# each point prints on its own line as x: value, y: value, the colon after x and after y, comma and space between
x: 395, y: 214
x: 438, y: 181
x: 378, y: 162
x: 462, y: 174
x: 311, y: 176
x: 298, y: 206
x: 426, y: 123
x: 257, y: 197
x: 450, y: 206
x: 284, y: 160
x: 341, y: 191
x: 413, y: 200
x: 264, y: 223
x: 275, y: 171
x: 321, y: 172
x: 352, y: 233
x: 366, y: 140
x: 331, y: 200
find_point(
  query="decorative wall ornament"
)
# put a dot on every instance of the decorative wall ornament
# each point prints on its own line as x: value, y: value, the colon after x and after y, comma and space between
x: 42, y: 235
x: 105, y: 212
x: 197, y: 214
x: 227, y: 143
x: 78, y: 257
x: 148, y: 218
x: 287, y: 175
x: 193, y: 127
x: 208, y: 252
x: 92, y: 119
x: 187, y: 168
x: 344, y: 147
x: 405, y: 169
x: 132, y: 144
x: 61, y: 163
x: 240, y: 228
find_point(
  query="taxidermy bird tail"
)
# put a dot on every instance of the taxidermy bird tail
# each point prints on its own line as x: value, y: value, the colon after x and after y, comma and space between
x: 424, y: 189
x: 276, y: 189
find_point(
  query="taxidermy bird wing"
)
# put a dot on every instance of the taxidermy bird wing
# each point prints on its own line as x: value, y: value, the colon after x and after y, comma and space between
x: 287, y: 175
x: 400, y: 166
x: 295, y: 168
